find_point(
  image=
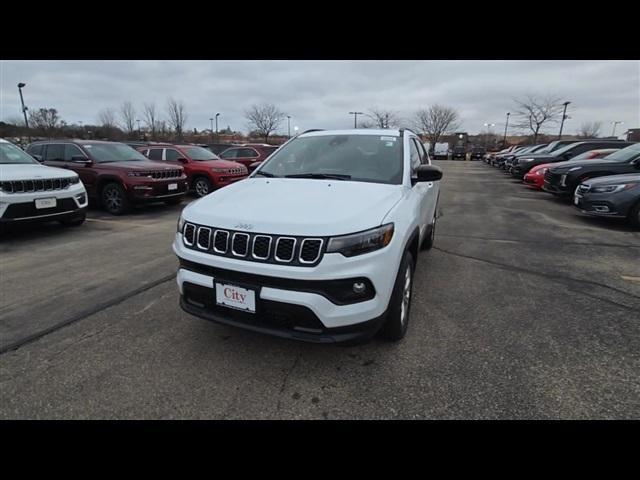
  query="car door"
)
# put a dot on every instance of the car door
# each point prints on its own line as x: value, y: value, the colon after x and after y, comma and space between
x: 54, y: 155
x: 246, y: 156
x: 171, y: 156
x: 432, y: 189
x: 419, y: 189
x: 87, y: 173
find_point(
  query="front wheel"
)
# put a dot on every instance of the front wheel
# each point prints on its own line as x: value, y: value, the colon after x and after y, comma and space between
x: 397, y: 321
x: 202, y: 186
x: 427, y: 243
x: 634, y: 215
x: 114, y: 199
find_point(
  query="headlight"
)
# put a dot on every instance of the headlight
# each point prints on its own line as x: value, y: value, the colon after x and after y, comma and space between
x: 527, y: 160
x: 180, y: 224
x: 574, y: 169
x: 220, y: 170
x: 74, y: 180
x: 361, y: 242
x: 612, y: 188
x: 542, y: 171
x: 138, y: 174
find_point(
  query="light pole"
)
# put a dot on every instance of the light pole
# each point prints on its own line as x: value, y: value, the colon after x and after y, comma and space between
x: 506, y: 125
x: 564, y: 116
x: 489, y: 125
x: 355, y: 118
x: 24, y: 109
x: 289, y: 126
x: 217, y: 137
x: 615, y: 124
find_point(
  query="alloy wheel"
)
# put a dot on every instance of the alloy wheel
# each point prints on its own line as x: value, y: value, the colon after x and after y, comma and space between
x: 406, y: 296
x: 202, y: 188
x: 112, y: 200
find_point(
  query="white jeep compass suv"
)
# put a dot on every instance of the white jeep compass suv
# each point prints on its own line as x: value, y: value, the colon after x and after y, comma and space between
x: 31, y: 192
x: 319, y: 243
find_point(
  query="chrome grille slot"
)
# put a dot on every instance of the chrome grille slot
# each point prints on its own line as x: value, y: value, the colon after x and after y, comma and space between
x: 285, y: 247
x: 28, y: 186
x: 204, y: 238
x: 220, y: 241
x: 189, y: 234
x: 240, y: 244
x: 310, y: 250
x: 261, y: 247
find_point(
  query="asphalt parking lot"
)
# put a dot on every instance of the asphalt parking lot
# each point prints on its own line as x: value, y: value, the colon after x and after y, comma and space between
x: 524, y: 309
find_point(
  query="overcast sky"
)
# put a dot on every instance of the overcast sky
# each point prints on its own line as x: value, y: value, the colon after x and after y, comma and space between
x: 319, y: 94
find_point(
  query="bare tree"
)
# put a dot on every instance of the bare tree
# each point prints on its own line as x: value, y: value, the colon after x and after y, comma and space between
x: 45, y: 119
x: 177, y: 116
x: 590, y: 130
x: 128, y: 115
x: 383, y: 118
x: 264, y: 119
x: 150, y: 118
x: 534, y: 111
x: 436, y: 121
x: 107, y: 118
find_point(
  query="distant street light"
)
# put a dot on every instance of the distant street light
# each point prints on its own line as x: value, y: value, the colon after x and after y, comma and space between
x: 289, y: 126
x: 564, y: 117
x: 295, y: 129
x: 355, y: 118
x: 615, y: 124
x: 506, y: 125
x: 24, y: 109
x: 211, y: 120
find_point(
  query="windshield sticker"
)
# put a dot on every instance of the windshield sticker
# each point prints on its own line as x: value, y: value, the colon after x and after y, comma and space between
x: 388, y: 139
x: 388, y: 144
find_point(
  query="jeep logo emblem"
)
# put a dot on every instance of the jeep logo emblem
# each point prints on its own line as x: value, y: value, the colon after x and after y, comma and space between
x: 244, y: 226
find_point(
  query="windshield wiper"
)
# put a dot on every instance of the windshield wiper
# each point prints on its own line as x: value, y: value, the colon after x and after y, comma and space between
x: 265, y: 174
x: 331, y: 176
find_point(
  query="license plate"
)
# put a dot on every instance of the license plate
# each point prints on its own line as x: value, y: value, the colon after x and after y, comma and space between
x: 45, y: 202
x: 236, y: 297
x: 173, y: 186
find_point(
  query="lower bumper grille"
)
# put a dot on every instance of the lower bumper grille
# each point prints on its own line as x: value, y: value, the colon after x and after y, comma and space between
x: 28, y: 209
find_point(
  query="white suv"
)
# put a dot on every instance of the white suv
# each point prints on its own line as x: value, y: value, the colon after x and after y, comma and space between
x: 319, y: 243
x: 31, y: 192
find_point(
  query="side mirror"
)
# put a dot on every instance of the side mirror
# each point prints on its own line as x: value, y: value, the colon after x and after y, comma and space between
x: 636, y: 162
x: 183, y: 160
x: 37, y: 157
x: 428, y: 173
x: 81, y: 159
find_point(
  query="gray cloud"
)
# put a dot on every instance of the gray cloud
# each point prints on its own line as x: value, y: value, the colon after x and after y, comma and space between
x: 318, y: 94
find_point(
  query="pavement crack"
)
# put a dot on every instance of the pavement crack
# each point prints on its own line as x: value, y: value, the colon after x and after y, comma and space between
x: 286, y: 378
x: 556, y: 277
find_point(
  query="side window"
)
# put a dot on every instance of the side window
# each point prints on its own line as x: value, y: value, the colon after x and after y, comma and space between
x: 421, y: 152
x: 414, y: 155
x: 71, y: 151
x: 172, y: 155
x: 231, y: 153
x: 55, y: 152
x: 155, y: 154
x: 35, y: 149
x: 248, y: 153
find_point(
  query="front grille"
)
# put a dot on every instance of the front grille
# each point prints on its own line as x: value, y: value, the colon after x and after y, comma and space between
x: 161, y: 174
x: 257, y: 247
x: 39, y: 185
x: 583, y: 189
x: 552, y: 178
x: 237, y: 171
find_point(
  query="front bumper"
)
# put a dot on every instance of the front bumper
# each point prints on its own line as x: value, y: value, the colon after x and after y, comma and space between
x: 223, y: 180
x: 142, y: 191
x: 21, y: 207
x: 277, y: 283
x: 534, y: 181
x: 600, y: 205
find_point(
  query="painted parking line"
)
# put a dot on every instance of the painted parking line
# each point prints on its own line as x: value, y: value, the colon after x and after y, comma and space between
x: 630, y: 279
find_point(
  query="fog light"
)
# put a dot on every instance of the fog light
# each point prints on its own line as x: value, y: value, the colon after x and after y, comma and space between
x: 359, y: 287
x: 602, y: 209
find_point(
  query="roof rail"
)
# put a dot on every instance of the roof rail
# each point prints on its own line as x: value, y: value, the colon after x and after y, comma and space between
x: 313, y: 130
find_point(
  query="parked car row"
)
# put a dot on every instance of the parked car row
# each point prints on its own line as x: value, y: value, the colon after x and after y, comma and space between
x: 55, y: 179
x: 600, y: 177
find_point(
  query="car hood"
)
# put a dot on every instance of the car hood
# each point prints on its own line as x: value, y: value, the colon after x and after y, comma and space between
x: 218, y: 163
x: 14, y: 171
x: 136, y: 165
x: 296, y: 206
x: 614, y: 179
x: 564, y: 166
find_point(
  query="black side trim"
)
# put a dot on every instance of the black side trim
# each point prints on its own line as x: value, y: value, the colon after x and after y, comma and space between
x: 339, y: 292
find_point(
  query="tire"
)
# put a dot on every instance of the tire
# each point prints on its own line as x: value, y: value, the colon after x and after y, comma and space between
x: 114, y: 200
x: 75, y: 221
x: 395, y: 326
x: 427, y: 243
x: 633, y: 217
x: 174, y: 201
x: 202, y: 186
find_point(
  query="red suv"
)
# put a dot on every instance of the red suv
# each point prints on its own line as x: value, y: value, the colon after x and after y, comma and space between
x: 205, y: 170
x: 114, y: 174
x: 250, y: 154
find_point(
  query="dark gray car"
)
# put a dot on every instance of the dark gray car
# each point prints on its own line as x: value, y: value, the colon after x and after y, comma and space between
x: 611, y: 196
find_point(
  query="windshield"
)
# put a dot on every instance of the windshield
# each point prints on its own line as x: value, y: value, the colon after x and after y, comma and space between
x: 200, y: 154
x: 625, y: 154
x: 560, y: 151
x: 361, y: 158
x: 112, y: 152
x: 11, y: 154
